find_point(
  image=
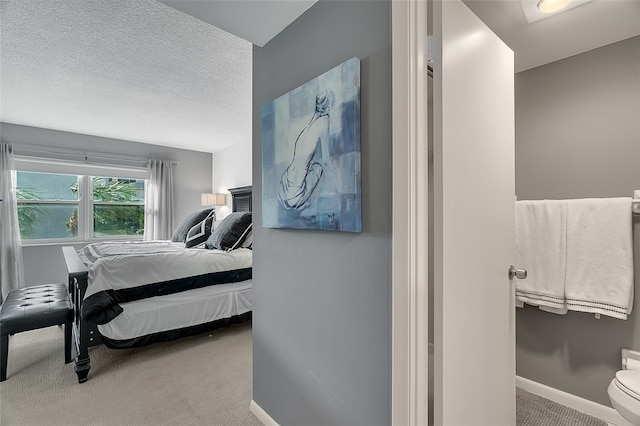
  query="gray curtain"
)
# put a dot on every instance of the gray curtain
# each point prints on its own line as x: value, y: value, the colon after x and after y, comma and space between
x: 158, y: 202
x: 11, y: 267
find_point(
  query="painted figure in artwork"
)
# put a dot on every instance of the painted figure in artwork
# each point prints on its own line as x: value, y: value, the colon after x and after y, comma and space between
x: 311, y: 158
x: 303, y: 174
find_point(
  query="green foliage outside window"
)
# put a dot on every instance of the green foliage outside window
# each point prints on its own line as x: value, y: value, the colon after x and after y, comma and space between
x: 112, y: 219
x: 27, y: 213
x: 49, y: 206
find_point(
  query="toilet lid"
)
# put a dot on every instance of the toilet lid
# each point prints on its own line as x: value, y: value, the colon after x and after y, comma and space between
x: 629, y: 381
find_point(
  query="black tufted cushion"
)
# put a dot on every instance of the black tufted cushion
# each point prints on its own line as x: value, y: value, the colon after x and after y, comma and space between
x: 35, y: 307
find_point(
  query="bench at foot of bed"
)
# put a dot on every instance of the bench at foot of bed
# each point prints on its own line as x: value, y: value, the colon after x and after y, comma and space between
x: 31, y: 308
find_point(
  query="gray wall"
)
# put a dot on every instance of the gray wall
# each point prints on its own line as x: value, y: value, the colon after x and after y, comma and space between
x: 577, y: 136
x: 192, y: 175
x: 322, y: 300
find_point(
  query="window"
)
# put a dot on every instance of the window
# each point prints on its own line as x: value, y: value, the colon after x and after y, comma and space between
x: 81, y: 207
x: 118, y: 206
x: 46, y: 204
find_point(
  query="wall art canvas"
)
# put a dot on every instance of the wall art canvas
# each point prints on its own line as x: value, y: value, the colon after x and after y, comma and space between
x: 311, y: 154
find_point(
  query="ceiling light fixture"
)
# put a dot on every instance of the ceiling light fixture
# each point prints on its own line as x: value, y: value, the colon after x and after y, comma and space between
x: 551, y: 6
x: 536, y: 10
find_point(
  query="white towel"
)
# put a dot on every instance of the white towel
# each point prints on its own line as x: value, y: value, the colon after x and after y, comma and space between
x: 600, y: 256
x: 541, y: 250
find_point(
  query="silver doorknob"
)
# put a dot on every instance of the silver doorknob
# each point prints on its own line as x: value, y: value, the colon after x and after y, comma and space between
x: 519, y: 273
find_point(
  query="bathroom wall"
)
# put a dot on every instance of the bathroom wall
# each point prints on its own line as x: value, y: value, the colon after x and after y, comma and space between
x: 578, y: 136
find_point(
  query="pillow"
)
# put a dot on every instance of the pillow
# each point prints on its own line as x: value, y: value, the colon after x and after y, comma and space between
x: 242, y: 240
x: 231, y: 232
x: 199, y: 233
x: 180, y: 234
x: 248, y: 241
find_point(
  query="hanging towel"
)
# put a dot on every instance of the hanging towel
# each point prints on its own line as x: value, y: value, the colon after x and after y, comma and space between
x: 541, y: 249
x: 600, y: 256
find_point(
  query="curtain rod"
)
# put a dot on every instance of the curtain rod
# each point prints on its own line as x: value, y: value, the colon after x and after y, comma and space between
x: 85, y: 156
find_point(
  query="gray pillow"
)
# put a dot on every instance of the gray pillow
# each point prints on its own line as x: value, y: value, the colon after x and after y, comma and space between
x: 180, y: 234
x: 231, y: 232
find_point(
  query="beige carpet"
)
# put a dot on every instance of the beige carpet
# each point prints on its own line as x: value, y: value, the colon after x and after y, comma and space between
x: 200, y: 380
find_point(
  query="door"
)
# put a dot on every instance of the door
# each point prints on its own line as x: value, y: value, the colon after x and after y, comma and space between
x: 474, y: 194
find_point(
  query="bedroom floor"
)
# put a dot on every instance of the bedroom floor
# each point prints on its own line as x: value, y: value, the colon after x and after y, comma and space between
x: 200, y: 380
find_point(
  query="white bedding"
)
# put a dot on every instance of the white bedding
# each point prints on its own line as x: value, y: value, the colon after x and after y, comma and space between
x: 179, y: 310
x: 142, y: 276
x: 119, y: 265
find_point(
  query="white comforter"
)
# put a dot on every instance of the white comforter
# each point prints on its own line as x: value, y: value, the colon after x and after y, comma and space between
x: 124, y: 271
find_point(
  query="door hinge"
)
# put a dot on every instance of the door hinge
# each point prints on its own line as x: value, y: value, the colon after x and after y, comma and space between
x: 430, y: 55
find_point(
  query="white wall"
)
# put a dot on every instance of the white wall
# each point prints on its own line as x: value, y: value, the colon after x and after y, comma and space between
x: 192, y: 176
x: 231, y: 169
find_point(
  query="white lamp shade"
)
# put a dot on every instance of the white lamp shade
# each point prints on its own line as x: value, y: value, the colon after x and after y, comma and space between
x: 213, y: 199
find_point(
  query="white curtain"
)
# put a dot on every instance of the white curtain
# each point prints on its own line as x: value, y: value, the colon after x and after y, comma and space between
x: 11, y: 267
x: 158, y: 202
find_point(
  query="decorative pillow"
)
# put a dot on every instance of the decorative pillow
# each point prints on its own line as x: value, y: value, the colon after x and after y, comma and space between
x: 248, y: 241
x: 231, y: 232
x: 199, y: 233
x: 180, y: 234
x: 243, y: 238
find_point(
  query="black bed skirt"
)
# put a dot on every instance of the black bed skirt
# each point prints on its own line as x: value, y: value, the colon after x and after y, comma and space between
x: 170, y: 335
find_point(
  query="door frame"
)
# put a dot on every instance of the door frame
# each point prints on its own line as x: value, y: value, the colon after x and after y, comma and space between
x: 410, y: 375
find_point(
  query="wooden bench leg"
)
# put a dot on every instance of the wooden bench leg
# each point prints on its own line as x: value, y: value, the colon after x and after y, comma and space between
x: 4, y: 356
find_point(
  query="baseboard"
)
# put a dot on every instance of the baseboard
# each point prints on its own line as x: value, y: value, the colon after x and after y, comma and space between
x: 262, y: 415
x: 591, y: 408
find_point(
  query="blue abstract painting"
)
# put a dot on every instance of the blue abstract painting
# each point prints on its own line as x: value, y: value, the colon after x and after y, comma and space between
x: 311, y: 154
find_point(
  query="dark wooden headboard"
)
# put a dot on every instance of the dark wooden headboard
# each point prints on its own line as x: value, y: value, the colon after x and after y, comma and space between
x: 241, y: 197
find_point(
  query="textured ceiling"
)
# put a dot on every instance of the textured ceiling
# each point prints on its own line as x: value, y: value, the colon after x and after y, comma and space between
x: 134, y: 70
x: 255, y: 20
x: 140, y: 70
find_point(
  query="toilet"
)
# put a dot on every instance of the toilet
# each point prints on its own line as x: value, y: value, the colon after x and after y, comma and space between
x: 624, y: 392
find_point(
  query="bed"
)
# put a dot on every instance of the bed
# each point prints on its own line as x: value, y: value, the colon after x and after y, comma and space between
x: 135, y: 293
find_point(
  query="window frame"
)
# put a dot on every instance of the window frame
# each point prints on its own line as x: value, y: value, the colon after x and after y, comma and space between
x: 90, y: 210
x: 85, y: 203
